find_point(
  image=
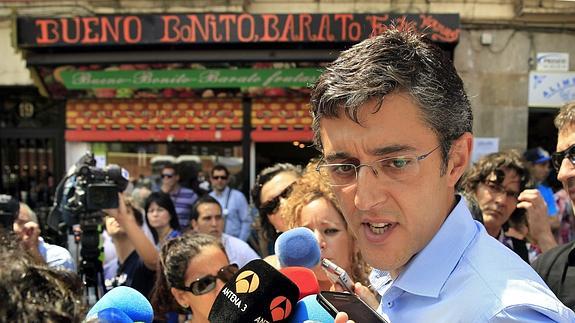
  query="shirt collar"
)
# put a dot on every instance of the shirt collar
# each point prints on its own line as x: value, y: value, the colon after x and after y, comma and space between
x: 428, y: 271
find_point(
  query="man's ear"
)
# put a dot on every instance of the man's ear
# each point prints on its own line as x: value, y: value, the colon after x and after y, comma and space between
x: 459, y: 157
x: 194, y: 224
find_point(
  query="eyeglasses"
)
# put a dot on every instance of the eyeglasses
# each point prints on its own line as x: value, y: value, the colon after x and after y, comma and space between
x: 398, y: 169
x: 220, y: 177
x: 557, y: 158
x: 495, y: 188
x: 271, y: 206
x: 207, y: 283
x: 167, y: 175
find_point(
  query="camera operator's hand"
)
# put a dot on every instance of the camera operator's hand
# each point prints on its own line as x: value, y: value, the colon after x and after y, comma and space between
x: 536, y: 213
x: 121, y: 214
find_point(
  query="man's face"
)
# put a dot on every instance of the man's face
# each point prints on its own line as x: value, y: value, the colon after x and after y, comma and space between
x: 498, y: 201
x: 209, y: 220
x: 21, y: 220
x: 219, y: 180
x: 392, y: 220
x: 169, y: 178
x: 566, y: 173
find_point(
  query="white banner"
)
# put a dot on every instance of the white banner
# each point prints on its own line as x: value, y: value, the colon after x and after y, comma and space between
x: 548, y: 89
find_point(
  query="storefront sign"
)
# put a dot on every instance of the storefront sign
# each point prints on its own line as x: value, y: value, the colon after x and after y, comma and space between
x: 553, y: 62
x: 211, y: 78
x: 551, y: 89
x: 210, y: 28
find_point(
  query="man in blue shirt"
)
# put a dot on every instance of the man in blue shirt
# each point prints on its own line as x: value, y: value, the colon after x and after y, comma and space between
x: 238, y: 220
x: 27, y: 228
x: 183, y: 198
x: 394, y: 124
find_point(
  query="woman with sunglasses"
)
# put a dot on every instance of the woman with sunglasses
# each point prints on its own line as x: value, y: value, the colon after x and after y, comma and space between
x: 193, y: 269
x: 273, y: 184
x: 312, y: 204
x: 161, y: 217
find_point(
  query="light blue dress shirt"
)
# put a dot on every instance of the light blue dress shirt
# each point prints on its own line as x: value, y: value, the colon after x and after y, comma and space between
x: 55, y: 256
x: 238, y: 221
x: 465, y: 275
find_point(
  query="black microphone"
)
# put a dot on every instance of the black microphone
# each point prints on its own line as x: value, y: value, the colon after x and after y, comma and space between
x: 256, y: 293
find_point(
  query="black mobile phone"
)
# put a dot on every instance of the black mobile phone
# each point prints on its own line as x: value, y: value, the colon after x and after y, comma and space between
x: 355, y: 308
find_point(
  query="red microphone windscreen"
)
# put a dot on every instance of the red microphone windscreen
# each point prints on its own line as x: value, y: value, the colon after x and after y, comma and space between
x: 304, y: 278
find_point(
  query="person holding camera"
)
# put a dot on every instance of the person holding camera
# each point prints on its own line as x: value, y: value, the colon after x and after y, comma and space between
x: 137, y: 254
x: 511, y: 212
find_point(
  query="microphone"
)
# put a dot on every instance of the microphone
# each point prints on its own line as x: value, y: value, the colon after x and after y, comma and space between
x: 304, y: 278
x: 309, y: 310
x: 256, y: 293
x: 297, y: 248
x: 122, y: 300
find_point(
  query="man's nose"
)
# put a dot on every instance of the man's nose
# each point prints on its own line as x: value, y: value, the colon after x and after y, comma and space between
x: 368, y: 192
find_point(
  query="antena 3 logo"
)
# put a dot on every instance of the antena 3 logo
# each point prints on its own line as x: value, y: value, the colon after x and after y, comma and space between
x: 247, y: 282
x: 280, y: 308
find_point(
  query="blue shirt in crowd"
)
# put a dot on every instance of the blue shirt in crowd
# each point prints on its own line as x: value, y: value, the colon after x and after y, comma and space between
x: 184, y: 199
x: 55, y: 256
x: 235, y: 210
x: 465, y: 275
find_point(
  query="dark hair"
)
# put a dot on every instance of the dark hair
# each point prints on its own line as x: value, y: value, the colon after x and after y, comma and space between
x: 494, y: 163
x: 395, y: 61
x: 263, y: 177
x: 33, y: 292
x: 175, y: 257
x: 206, y: 199
x: 220, y: 167
x: 165, y: 201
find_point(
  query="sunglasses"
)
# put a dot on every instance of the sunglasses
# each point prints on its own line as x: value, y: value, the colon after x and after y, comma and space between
x: 220, y: 177
x: 207, y: 283
x: 272, y: 205
x: 167, y: 175
x: 557, y: 158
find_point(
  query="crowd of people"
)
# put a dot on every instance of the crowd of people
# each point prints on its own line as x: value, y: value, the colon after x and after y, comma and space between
x: 394, y: 200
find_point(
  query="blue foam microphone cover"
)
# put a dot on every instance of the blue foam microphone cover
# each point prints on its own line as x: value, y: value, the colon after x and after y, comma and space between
x: 297, y: 248
x: 127, y: 300
x: 113, y: 315
x: 309, y: 310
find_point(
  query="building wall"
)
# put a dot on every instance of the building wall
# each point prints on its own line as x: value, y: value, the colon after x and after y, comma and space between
x: 496, y: 77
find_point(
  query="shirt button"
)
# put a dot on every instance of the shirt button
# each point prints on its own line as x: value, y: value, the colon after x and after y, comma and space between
x: 390, y: 304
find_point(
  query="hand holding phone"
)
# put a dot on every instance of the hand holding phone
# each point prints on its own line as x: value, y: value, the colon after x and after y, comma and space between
x: 337, y: 274
x: 356, y: 309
